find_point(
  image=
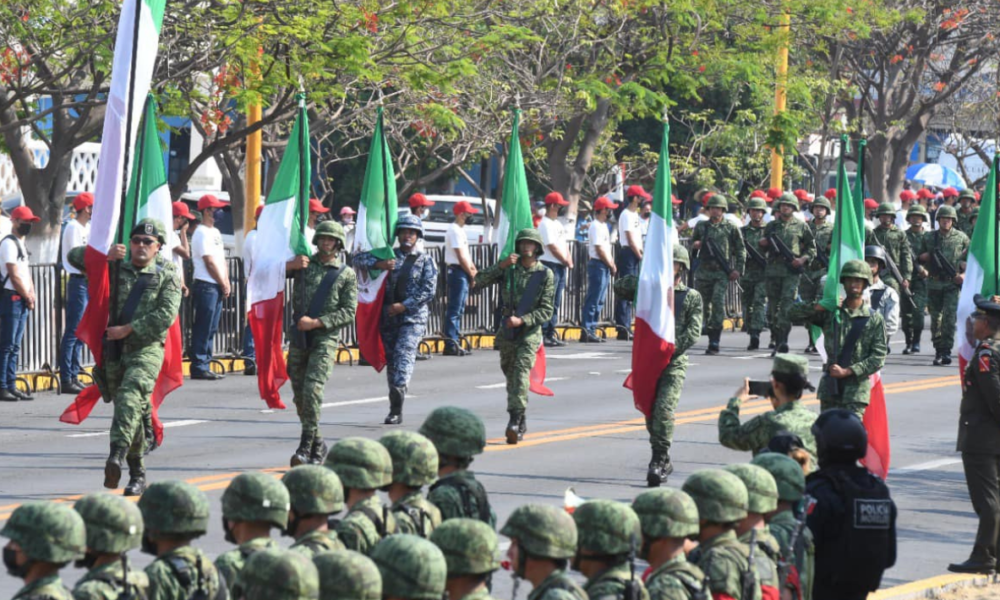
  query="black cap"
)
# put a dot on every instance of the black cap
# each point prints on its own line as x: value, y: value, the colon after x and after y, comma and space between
x: 985, y: 304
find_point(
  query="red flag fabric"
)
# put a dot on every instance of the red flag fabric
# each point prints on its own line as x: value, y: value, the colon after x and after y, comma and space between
x: 171, y: 374
x: 95, y: 317
x: 537, y: 377
x: 265, y: 326
x: 369, y: 315
x: 658, y: 353
x: 876, y: 423
x: 80, y: 409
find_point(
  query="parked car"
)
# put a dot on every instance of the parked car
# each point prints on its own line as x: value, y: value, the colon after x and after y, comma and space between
x: 223, y: 223
x: 441, y: 215
x: 12, y: 201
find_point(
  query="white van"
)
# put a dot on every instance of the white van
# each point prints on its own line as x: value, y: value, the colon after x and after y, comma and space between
x: 441, y: 215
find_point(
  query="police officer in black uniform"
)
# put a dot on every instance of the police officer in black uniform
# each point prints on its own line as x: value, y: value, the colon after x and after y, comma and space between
x: 979, y: 435
x: 854, y: 519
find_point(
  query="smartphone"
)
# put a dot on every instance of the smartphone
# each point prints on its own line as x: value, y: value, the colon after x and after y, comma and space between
x: 760, y: 388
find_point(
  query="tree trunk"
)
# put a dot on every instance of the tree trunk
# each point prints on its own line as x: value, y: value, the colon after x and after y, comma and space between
x: 570, y: 178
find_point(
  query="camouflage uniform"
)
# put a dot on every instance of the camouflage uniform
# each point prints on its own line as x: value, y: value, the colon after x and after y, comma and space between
x: 309, y: 368
x: 791, y: 486
x: 517, y: 355
x: 458, y: 434
x: 275, y: 574
x: 666, y: 513
x: 782, y: 283
x: 50, y: 533
x: 129, y: 381
x: 722, y: 497
x: 609, y: 531
x: 943, y: 295
x: 251, y: 497
x: 711, y: 278
x: 545, y: 532
x: 114, y: 526
x: 414, y: 464
x: 893, y: 241
x: 965, y: 220
x: 412, y: 568
x: 809, y: 289
x: 178, y: 508
x: 660, y: 422
x: 869, y: 349
x: 348, y: 575
x: 913, y: 313
x: 363, y: 464
x: 755, y: 434
x: 754, y: 298
x: 312, y: 491
x: 762, y: 496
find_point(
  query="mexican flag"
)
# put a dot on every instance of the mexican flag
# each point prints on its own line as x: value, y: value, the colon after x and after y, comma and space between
x: 515, y: 215
x: 981, y: 268
x: 148, y: 197
x: 374, y: 233
x: 653, y: 345
x: 280, y: 237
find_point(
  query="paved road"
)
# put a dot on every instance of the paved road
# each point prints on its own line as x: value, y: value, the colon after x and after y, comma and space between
x: 588, y: 436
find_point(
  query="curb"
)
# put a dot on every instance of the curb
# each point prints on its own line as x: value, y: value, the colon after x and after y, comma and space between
x: 931, y: 587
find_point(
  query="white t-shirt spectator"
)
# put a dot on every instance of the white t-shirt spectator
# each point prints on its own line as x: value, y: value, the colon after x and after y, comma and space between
x: 629, y: 221
x: 207, y: 241
x: 454, y: 239
x: 178, y: 260
x: 598, y: 235
x: 248, y: 243
x: 9, y: 254
x: 6, y: 227
x: 553, y: 234
x: 696, y: 219
x: 74, y: 235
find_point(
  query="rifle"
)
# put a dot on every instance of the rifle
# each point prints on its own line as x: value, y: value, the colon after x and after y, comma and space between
x: 632, y: 587
x: 891, y: 264
x: 715, y: 253
x: 943, y: 265
x: 748, y: 582
x: 784, y: 251
x: 786, y: 563
x: 126, y: 594
x: 824, y: 260
x: 754, y: 255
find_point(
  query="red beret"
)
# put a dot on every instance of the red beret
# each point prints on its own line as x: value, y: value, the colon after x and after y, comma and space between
x: 870, y: 203
x: 773, y: 193
x: 949, y: 192
x: 830, y: 194
x: 907, y: 196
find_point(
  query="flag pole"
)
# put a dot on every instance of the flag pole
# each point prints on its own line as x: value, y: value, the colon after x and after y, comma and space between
x: 384, y: 151
x: 996, y: 221
x: 303, y: 201
x: 116, y: 273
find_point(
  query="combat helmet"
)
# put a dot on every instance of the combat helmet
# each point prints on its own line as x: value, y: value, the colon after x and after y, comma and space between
x: 787, y: 198
x: 314, y: 490
x: 967, y: 194
x: 607, y: 528
x: 256, y: 496
x: 414, y: 458
x: 946, y: 212
x: 840, y: 437
x: 348, y: 575
x: 762, y: 490
x: 822, y: 202
x: 455, y: 431
x: 918, y: 209
x: 718, y: 201
x: 542, y: 531
x: 152, y: 227
x: 719, y: 495
x: 276, y: 574
x: 787, y: 474
x: 330, y: 229
x: 412, y: 568
x: 360, y: 463
x: 885, y: 209
x: 757, y: 203
x: 469, y: 546
x: 113, y: 524
x: 681, y: 256
x: 531, y: 234
x: 410, y: 221
x: 666, y: 513
x: 858, y: 269
x: 47, y: 532
x: 877, y: 253
x: 174, y: 507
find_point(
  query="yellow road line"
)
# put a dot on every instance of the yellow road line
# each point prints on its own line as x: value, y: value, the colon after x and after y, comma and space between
x: 923, y: 585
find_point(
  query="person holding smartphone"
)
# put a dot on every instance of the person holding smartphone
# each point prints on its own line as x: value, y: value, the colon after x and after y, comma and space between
x: 789, y: 378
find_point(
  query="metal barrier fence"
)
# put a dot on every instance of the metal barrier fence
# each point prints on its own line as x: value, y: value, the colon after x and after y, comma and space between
x: 43, y: 333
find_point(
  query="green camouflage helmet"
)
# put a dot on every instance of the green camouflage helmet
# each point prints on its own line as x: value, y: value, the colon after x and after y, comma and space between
x: 455, y: 431
x: 885, y: 208
x: 762, y: 490
x: 276, y: 574
x: 542, y: 531
x: 918, y: 209
x: 757, y: 204
x: 330, y: 229
x: 666, y: 513
x: 787, y: 198
x: 681, y: 256
x: 414, y: 458
x: 348, y: 575
x: 607, y: 528
x: 856, y: 268
x: 718, y: 201
x: 946, y: 212
x: 412, y: 568
x: 314, y: 490
x: 256, y: 496
x: 787, y: 474
x: 47, y: 532
x: 533, y: 235
x: 362, y: 464
x: 967, y: 194
x: 469, y: 546
x: 821, y: 202
x: 720, y: 496
x: 175, y: 507
x: 152, y: 227
x: 113, y: 524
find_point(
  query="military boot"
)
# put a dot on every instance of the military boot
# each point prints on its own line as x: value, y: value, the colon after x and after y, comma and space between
x: 113, y: 468
x: 147, y: 430
x: 937, y: 358
x: 713, y: 342
x: 754, y: 341
x: 302, y: 453
x: 783, y: 344
x: 136, y: 477
x: 396, y: 397
x: 513, y: 431
x: 907, y: 342
x: 317, y: 453
x: 915, y: 345
x: 659, y: 469
x: 522, y: 427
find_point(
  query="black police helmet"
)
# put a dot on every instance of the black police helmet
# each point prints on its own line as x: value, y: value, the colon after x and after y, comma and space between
x: 840, y: 437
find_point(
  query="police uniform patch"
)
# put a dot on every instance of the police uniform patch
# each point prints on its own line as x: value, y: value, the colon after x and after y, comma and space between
x: 872, y: 514
x: 984, y: 362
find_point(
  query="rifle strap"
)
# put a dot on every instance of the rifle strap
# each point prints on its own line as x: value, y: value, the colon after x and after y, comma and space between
x: 403, y: 279
x: 323, y: 291
x: 877, y: 296
x: 530, y: 293
x: 142, y: 283
x: 847, y: 350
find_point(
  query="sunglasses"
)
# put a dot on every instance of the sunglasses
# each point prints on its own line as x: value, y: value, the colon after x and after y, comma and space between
x: 144, y: 241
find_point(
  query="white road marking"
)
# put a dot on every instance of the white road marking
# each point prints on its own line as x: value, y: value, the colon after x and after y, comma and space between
x: 496, y: 386
x: 362, y: 401
x: 927, y: 466
x: 595, y: 373
x: 581, y: 356
x: 751, y: 356
x: 181, y: 423
x: 623, y: 371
